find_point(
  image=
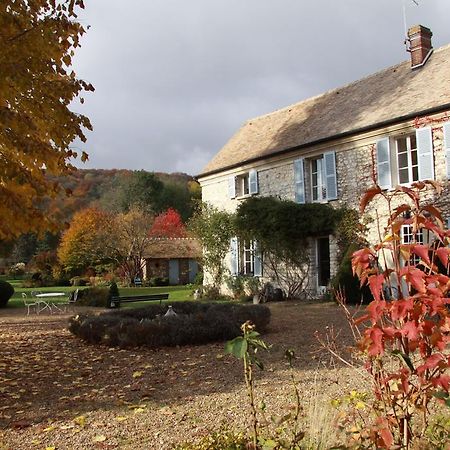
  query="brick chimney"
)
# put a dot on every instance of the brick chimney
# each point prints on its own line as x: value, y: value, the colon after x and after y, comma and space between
x: 419, y: 38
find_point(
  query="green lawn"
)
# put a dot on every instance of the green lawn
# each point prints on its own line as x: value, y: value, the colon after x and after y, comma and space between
x: 176, y: 293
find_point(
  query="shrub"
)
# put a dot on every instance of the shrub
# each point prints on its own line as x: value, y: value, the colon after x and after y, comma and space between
x: 159, y: 281
x: 93, y: 296
x: 78, y: 281
x: 236, y: 284
x: 347, y: 282
x: 6, y: 292
x: 113, y: 290
x: 195, y: 323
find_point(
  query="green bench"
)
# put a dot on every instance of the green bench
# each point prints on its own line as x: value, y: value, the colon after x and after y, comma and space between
x: 115, y: 302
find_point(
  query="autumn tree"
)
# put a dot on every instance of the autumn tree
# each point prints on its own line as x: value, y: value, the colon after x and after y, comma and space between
x: 86, y: 242
x: 130, y: 239
x: 37, y: 43
x: 168, y: 224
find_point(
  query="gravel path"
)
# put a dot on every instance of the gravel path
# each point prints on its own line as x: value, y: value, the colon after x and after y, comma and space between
x: 56, y: 391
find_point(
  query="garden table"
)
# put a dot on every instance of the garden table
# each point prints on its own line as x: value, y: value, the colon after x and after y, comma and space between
x: 43, y: 304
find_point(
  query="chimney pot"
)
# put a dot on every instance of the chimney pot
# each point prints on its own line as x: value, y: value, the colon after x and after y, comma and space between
x: 419, y: 45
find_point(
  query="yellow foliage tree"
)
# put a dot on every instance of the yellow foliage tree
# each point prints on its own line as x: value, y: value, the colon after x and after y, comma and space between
x: 37, y: 42
x: 87, y: 242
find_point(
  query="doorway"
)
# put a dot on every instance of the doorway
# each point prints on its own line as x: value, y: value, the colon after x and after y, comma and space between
x: 323, y: 262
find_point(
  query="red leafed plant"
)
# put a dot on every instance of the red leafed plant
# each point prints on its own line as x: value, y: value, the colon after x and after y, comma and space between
x: 168, y: 224
x: 405, y: 331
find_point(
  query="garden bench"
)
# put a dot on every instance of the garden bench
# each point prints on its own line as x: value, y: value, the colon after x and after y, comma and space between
x: 116, y: 301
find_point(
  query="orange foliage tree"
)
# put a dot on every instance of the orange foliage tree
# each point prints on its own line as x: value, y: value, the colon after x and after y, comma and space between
x: 168, y: 224
x: 86, y: 243
x: 37, y: 42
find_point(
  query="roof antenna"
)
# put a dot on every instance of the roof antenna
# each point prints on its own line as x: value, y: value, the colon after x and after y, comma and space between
x: 405, y: 22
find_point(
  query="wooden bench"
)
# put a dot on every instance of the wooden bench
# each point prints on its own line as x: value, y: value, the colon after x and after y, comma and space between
x: 117, y: 301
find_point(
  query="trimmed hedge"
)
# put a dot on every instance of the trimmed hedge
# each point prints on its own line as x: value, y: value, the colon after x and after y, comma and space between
x: 195, y: 323
x: 93, y: 296
x: 6, y: 292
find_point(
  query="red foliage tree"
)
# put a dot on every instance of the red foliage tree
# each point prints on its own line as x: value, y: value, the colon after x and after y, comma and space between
x: 168, y: 224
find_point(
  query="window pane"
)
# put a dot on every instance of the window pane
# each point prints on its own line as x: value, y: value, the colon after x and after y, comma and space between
x: 413, y: 142
x: 245, y: 190
x: 403, y: 176
x: 415, y: 174
x: 402, y: 160
x: 414, y: 157
x: 401, y: 145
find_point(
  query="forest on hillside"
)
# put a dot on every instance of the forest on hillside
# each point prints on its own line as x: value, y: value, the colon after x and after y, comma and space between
x: 114, y: 191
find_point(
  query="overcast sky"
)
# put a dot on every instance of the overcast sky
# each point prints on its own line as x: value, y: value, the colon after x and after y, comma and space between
x: 175, y: 79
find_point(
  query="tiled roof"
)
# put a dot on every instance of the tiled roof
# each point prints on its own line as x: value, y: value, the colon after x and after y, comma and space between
x: 393, y: 93
x: 172, y: 248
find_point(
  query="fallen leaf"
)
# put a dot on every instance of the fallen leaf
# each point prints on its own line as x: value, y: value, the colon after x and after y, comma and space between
x: 137, y: 374
x: 99, y: 438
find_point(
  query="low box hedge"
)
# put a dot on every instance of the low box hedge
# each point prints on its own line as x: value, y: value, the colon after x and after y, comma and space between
x: 194, y: 323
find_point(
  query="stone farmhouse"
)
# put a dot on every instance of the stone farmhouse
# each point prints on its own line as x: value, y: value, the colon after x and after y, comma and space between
x: 390, y: 128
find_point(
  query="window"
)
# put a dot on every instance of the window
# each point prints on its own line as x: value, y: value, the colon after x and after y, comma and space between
x: 245, y: 258
x: 320, y: 179
x: 243, y: 184
x: 405, y: 159
x: 409, y: 237
x: 318, y: 186
x: 407, y: 162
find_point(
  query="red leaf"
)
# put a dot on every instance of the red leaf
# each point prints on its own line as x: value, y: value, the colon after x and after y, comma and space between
x: 376, y: 309
x: 431, y: 362
x: 415, y: 277
x: 410, y: 331
x: 400, y: 308
x: 376, y: 347
x: 368, y: 196
x: 421, y: 251
x: 442, y: 381
x: 376, y: 285
x: 386, y: 437
x: 443, y: 254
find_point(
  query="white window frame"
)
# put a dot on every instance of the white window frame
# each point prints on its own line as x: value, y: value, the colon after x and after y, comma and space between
x: 408, y: 237
x: 410, y: 149
x: 243, y: 185
x: 247, y: 257
x: 318, y: 190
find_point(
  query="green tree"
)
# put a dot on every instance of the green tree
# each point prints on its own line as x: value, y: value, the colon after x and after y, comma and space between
x: 143, y: 189
x: 37, y: 43
x: 214, y: 228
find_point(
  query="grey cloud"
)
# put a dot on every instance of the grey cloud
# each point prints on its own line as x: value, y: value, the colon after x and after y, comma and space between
x: 175, y: 79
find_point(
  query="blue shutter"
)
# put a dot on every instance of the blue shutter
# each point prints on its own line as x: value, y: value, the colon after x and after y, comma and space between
x: 257, y: 264
x: 234, y: 256
x: 299, y: 181
x: 330, y: 175
x: 425, y: 153
x: 384, y: 164
x: 253, y: 181
x: 232, y: 187
x: 447, y: 146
